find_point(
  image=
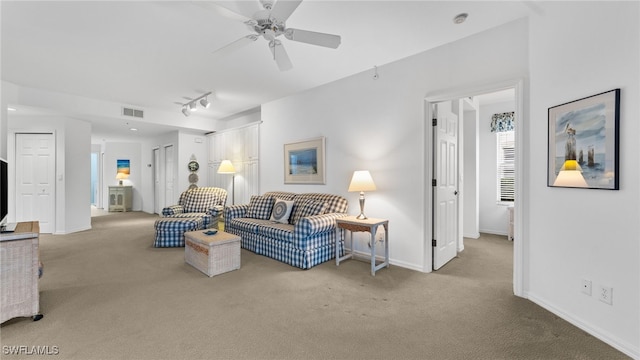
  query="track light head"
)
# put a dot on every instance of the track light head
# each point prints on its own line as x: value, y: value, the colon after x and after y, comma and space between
x: 192, y: 105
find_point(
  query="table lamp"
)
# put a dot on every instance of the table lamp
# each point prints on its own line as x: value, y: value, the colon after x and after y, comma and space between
x: 121, y: 176
x: 361, y: 181
x: 570, y: 175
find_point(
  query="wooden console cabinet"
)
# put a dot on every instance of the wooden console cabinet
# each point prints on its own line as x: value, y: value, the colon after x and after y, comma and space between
x: 19, y: 272
x: 120, y: 198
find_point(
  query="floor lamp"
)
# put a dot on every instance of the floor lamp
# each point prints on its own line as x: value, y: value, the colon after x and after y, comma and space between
x: 226, y: 167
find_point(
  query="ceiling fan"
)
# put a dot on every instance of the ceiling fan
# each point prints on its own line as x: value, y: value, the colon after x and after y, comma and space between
x: 266, y: 18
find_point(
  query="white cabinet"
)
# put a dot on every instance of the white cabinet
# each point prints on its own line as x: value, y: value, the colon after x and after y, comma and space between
x: 241, y: 185
x: 246, y: 181
x: 19, y: 268
x: 120, y: 198
x: 237, y: 145
x: 217, y: 143
x: 252, y: 143
x: 241, y: 146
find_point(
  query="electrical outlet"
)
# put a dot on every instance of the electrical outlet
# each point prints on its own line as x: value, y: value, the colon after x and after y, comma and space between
x: 605, y: 294
x: 586, y: 286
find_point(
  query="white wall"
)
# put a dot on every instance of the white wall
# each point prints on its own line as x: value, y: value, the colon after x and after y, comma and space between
x: 570, y: 51
x: 379, y: 125
x: 114, y: 151
x: 77, y: 175
x: 471, y: 170
x: 577, y: 50
x: 73, y: 166
x: 494, y: 217
x: 189, y: 144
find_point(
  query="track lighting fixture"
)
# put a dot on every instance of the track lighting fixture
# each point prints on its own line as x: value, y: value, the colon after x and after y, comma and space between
x: 193, y: 104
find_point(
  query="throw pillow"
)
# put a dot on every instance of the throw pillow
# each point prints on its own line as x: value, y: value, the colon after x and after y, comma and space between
x: 307, y: 208
x: 281, y: 211
x: 260, y: 207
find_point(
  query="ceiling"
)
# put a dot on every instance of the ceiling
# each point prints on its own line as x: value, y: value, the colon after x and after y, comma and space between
x: 159, y: 54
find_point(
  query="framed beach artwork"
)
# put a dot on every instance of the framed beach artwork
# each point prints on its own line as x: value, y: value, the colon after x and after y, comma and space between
x: 584, y: 136
x: 304, y: 162
x: 123, y: 166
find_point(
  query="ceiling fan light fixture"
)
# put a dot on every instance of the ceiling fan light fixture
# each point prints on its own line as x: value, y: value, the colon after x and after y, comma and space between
x: 186, y: 111
x: 205, y: 103
x: 193, y: 106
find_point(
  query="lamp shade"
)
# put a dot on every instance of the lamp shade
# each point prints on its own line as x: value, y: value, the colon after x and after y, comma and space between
x: 226, y: 167
x: 570, y: 175
x: 362, y: 181
x: 121, y: 176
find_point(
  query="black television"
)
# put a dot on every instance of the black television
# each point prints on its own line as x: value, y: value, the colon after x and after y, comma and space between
x: 4, y: 196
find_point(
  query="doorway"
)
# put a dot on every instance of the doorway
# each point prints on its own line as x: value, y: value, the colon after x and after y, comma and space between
x: 156, y: 180
x: 463, y: 181
x: 169, y: 177
x: 96, y: 179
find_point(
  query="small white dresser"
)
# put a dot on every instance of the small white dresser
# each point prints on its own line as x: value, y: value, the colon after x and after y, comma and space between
x: 120, y: 198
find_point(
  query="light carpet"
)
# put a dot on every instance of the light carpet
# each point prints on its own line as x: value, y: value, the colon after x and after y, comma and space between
x: 107, y: 293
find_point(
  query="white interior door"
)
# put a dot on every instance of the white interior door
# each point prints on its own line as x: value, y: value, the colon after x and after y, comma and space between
x: 156, y: 181
x: 168, y: 176
x: 35, y: 180
x: 445, y: 190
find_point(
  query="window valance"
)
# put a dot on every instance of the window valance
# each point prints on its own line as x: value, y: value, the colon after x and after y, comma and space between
x: 503, y: 122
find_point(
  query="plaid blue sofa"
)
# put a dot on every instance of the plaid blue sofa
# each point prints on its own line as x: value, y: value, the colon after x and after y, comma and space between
x: 308, y: 239
x: 203, y: 202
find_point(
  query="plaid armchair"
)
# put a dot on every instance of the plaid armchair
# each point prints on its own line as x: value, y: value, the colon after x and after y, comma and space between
x: 203, y: 202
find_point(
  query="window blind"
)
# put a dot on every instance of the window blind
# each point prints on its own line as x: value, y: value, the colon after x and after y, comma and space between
x: 506, y: 166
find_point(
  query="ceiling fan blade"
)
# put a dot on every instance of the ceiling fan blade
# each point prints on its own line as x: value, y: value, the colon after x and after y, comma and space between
x: 223, y: 10
x: 235, y: 45
x: 284, y: 8
x: 280, y: 55
x: 312, y: 37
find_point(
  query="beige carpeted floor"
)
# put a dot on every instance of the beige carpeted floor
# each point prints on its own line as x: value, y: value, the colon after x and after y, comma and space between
x: 108, y: 294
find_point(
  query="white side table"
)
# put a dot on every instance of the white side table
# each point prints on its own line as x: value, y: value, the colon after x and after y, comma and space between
x: 369, y: 225
x: 120, y: 198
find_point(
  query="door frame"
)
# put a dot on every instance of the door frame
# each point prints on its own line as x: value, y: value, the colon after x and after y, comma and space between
x: 156, y: 178
x: 460, y: 92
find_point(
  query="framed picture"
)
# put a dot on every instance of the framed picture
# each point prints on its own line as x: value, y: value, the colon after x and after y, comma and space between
x: 123, y: 166
x: 304, y: 162
x: 583, y: 142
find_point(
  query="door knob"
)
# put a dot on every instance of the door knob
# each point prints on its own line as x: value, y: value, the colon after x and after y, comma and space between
x: 455, y: 192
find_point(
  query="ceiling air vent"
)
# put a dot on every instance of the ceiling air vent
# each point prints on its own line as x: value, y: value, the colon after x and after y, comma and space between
x: 132, y: 112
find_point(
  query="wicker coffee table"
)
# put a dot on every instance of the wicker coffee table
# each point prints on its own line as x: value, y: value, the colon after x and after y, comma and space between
x: 212, y: 254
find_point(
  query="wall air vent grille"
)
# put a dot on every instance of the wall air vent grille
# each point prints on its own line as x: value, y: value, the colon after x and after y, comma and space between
x: 132, y: 112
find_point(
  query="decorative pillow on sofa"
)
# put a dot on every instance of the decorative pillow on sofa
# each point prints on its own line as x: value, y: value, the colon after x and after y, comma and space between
x: 281, y: 211
x: 199, y: 202
x: 307, y: 208
x: 260, y: 207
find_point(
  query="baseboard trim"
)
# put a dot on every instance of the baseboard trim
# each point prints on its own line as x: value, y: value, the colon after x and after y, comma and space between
x: 493, y: 232
x: 605, y: 336
x: 71, y: 231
